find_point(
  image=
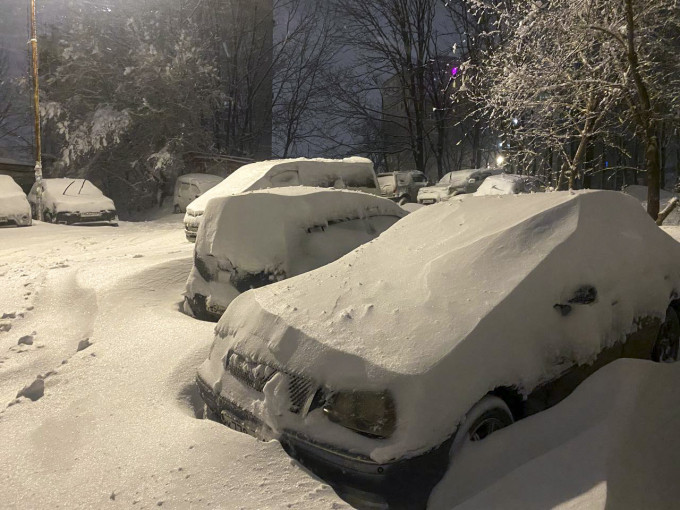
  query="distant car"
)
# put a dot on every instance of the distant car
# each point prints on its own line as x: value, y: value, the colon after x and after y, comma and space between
x: 455, y: 183
x: 189, y: 187
x: 376, y: 369
x: 351, y: 173
x: 69, y: 201
x: 402, y: 186
x: 252, y: 239
x: 509, y: 184
x: 14, y: 207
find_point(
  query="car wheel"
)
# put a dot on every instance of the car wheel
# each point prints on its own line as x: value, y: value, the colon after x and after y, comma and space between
x: 48, y: 218
x: 177, y: 210
x: 667, y: 346
x: 404, y: 200
x: 486, y: 417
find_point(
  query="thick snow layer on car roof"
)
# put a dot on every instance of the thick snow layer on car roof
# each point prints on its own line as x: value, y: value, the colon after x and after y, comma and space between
x: 247, y: 177
x: 458, y: 299
x: 602, y: 447
x: 249, y: 217
x: 502, y: 184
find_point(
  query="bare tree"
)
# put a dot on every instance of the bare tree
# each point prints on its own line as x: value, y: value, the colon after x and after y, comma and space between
x: 396, y: 45
x: 305, y: 50
x: 562, y: 69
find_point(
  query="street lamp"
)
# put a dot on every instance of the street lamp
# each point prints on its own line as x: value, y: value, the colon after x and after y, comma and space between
x: 36, y: 110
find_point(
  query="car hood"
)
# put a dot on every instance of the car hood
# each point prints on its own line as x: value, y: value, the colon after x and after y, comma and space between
x: 471, y: 306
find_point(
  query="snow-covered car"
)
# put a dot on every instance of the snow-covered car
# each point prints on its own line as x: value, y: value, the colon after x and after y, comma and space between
x: 509, y: 184
x: 455, y: 183
x: 14, y: 207
x: 380, y: 366
x: 189, y: 187
x: 402, y: 186
x: 351, y: 173
x: 71, y: 201
x: 253, y: 239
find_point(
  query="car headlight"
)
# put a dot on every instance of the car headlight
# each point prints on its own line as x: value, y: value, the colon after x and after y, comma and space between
x: 371, y: 413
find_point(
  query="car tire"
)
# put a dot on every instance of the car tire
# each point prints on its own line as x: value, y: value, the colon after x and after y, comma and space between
x: 177, y: 209
x: 48, y: 218
x: 486, y: 417
x: 404, y: 200
x: 667, y: 345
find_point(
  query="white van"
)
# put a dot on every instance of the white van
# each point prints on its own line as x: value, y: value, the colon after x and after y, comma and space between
x: 189, y: 187
x: 350, y: 173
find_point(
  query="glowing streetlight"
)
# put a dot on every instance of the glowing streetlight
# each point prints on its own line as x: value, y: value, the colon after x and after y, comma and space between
x: 500, y: 160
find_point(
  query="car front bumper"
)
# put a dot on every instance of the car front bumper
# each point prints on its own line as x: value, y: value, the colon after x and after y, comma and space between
x: 70, y: 218
x: 404, y: 483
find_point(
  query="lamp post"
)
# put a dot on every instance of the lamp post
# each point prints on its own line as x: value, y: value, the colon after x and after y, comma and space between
x: 36, y: 109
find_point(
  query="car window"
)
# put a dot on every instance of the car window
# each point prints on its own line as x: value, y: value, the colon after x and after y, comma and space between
x: 402, y: 179
x: 194, y: 190
x: 419, y: 178
x: 184, y: 188
x: 360, y: 180
x: 285, y: 178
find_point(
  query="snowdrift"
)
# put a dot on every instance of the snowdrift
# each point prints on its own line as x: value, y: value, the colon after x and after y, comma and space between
x: 458, y: 299
x: 602, y: 447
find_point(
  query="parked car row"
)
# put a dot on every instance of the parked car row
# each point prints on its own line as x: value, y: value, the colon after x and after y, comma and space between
x: 376, y: 369
x: 349, y: 173
x: 64, y: 200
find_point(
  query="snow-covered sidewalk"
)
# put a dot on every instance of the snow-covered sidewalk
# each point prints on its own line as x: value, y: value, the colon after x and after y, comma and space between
x: 91, y: 329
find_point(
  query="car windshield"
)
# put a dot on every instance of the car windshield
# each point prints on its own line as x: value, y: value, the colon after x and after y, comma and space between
x: 81, y: 187
x: 456, y: 178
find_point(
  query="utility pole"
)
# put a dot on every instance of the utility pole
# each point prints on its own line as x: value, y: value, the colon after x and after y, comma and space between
x: 36, y: 109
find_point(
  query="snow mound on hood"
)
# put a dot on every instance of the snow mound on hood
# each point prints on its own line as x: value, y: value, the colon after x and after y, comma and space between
x: 69, y: 195
x: 268, y: 223
x: 600, y: 448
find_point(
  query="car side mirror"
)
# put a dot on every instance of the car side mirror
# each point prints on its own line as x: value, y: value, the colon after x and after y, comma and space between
x: 472, y: 181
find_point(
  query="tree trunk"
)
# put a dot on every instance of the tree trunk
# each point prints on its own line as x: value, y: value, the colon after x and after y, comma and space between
x: 653, y: 173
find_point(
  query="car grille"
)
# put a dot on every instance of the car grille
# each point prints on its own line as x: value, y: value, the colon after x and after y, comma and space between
x: 255, y: 375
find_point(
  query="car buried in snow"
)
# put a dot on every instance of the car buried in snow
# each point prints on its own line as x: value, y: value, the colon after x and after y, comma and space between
x: 350, y: 173
x: 189, y: 187
x: 253, y: 239
x: 453, y: 184
x: 509, y: 184
x: 73, y: 201
x: 14, y: 207
x: 402, y: 186
x: 376, y: 369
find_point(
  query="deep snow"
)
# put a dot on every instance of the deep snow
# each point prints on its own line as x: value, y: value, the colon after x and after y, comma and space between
x: 107, y: 364
x: 612, y: 444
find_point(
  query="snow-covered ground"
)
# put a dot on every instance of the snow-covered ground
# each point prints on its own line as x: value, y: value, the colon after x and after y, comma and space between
x: 91, y: 335
x: 92, y: 338
x: 613, y: 443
